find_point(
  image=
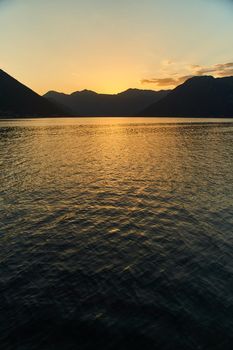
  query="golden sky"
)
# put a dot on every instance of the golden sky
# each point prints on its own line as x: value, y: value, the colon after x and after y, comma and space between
x: 108, y: 46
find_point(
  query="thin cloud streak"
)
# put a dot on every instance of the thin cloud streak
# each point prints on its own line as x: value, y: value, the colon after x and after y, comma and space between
x: 217, y: 70
x: 167, y: 81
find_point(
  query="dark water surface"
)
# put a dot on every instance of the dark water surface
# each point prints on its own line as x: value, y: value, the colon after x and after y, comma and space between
x: 116, y: 234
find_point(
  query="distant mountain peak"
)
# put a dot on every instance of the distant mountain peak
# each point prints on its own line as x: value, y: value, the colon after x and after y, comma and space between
x: 199, y: 79
x: 200, y: 96
x: 89, y: 103
x: 202, y: 77
x: 89, y: 92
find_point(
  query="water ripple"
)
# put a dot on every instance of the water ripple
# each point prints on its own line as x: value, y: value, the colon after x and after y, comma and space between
x: 116, y: 234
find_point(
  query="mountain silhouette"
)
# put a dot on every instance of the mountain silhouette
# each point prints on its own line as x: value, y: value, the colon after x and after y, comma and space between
x: 89, y: 103
x: 202, y: 96
x: 17, y: 100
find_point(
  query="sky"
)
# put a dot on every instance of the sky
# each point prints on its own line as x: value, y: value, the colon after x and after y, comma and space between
x: 111, y: 45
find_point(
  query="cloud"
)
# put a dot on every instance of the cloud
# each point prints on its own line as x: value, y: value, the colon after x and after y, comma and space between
x: 216, y: 69
x: 227, y: 73
x: 167, y: 81
x: 160, y: 82
x: 174, y: 79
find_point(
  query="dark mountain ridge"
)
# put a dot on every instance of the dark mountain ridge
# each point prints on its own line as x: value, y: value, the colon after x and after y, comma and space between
x: 203, y: 96
x: 89, y: 103
x: 17, y: 100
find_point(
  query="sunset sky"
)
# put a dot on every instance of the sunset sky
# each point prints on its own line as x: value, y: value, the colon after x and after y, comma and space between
x: 109, y: 46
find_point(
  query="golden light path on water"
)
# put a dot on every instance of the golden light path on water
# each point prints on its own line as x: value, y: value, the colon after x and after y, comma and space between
x: 108, y: 121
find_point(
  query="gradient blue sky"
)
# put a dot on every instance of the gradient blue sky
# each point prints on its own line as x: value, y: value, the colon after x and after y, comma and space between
x: 109, y: 46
